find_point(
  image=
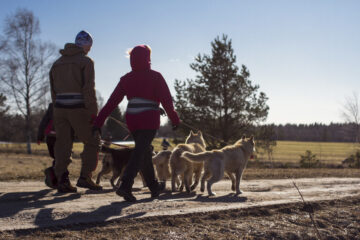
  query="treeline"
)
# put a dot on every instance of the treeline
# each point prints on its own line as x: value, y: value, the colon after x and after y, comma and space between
x: 317, y: 132
x: 12, y: 130
x: 12, y: 126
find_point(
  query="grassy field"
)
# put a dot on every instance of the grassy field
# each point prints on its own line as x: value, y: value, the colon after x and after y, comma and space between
x: 326, y: 152
x: 15, y: 164
x: 284, y: 152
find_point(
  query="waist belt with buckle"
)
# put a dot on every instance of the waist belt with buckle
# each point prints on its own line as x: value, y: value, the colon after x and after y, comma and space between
x: 138, y: 105
x: 69, y: 100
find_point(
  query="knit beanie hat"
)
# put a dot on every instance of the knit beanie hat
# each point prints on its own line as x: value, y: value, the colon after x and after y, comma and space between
x: 83, y: 38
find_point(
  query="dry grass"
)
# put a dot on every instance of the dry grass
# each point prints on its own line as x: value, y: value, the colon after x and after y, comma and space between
x: 281, y: 173
x: 25, y: 167
x: 336, y: 219
x: 15, y: 164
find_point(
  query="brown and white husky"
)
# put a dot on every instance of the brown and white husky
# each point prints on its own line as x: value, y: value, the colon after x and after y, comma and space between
x: 231, y: 159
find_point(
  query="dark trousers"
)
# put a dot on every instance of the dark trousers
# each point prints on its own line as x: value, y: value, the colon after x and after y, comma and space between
x: 141, y: 160
x: 50, y: 142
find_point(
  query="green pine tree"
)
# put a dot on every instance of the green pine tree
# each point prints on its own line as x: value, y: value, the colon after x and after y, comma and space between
x: 221, y: 100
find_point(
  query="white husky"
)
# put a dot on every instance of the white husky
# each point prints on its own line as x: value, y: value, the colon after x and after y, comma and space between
x: 230, y: 159
x: 180, y: 167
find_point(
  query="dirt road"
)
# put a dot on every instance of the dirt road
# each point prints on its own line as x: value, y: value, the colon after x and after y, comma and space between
x: 26, y: 205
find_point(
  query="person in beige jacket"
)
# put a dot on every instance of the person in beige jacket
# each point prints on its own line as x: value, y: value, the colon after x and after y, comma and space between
x: 72, y: 82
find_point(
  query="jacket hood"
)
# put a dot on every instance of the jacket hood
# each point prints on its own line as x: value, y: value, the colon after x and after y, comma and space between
x: 71, y: 49
x: 140, y: 58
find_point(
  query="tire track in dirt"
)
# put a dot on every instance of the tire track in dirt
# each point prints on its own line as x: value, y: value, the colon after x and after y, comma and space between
x: 27, y: 205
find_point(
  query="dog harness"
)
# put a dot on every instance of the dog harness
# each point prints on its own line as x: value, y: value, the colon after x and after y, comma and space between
x: 138, y: 105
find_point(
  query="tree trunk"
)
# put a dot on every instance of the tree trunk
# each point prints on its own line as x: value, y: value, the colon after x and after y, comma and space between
x: 28, y: 143
x: 28, y: 124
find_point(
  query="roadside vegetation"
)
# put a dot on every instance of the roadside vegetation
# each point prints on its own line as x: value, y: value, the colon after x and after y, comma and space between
x: 16, y: 165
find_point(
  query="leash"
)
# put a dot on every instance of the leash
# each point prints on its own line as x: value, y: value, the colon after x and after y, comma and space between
x: 123, y: 125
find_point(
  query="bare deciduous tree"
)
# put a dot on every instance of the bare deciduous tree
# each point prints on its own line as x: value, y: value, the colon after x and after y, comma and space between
x: 351, y: 113
x: 25, y: 62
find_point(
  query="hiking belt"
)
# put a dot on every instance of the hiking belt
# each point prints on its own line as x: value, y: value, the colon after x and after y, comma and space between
x: 138, y: 105
x: 69, y: 100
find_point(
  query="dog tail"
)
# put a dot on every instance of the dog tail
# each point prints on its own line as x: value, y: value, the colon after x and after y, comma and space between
x: 197, y: 157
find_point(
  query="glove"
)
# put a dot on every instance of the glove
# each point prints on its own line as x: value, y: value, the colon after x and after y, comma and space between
x: 162, y: 112
x: 94, y: 130
x: 174, y: 127
x: 93, y: 117
x: 40, y: 137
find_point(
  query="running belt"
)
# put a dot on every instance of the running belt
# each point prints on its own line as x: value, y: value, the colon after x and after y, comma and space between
x: 69, y: 100
x: 138, y: 105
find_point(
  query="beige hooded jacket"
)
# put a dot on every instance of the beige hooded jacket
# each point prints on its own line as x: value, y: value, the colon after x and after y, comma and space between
x: 72, y: 80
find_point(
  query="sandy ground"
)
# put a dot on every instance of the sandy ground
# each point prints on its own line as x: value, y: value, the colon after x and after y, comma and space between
x: 28, y: 205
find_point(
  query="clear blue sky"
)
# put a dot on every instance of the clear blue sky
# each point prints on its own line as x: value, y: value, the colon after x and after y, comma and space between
x: 305, y: 55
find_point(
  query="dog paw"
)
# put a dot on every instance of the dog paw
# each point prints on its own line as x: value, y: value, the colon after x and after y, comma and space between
x: 212, y: 194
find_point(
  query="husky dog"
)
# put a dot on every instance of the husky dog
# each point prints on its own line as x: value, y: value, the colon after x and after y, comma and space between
x: 179, y: 166
x: 115, y: 160
x: 162, y: 165
x: 230, y: 159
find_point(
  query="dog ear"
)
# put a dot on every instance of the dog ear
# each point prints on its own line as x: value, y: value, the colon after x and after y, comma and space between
x: 243, y: 137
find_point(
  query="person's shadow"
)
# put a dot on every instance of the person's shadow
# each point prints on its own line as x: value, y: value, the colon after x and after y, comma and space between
x: 13, y: 202
x: 83, y: 220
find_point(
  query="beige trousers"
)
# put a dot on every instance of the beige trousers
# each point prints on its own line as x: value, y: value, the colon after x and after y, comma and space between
x: 79, y: 119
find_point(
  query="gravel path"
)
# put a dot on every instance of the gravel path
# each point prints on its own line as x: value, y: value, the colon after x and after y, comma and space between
x: 27, y: 205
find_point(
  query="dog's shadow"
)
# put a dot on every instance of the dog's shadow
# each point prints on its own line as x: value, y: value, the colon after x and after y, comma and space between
x: 167, y: 195
x: 229, y: 198
x: 103, y: 191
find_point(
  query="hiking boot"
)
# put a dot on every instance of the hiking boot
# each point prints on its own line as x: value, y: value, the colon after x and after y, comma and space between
x: 126, y: 194
x: 160, y: 188
x: 65, y: 186
x: 87, y: 182
x: 50, y: 178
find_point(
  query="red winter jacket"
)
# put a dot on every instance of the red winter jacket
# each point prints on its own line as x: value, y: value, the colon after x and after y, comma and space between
x: 143, y: 83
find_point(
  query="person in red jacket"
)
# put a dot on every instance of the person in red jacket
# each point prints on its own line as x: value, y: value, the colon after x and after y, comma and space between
x: 145, y: 89
x: 46, y: 130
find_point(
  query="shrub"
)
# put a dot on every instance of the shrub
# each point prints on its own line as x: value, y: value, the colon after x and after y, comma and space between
x: 309, y: 160
x: 353, y: 160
